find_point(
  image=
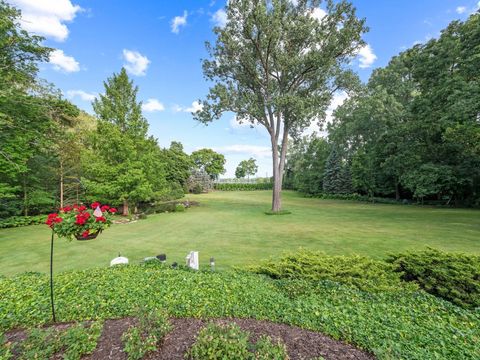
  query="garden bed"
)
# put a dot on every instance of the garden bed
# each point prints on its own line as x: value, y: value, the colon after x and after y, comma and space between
x: 300, y: 344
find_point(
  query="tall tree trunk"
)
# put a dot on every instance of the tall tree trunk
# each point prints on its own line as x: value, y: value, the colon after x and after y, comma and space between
x: 278, y: 168
x: 125, y: 208
x: 277, y: 179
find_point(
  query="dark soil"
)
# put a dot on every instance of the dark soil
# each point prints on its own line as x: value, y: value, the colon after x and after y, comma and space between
x: 301, y: 344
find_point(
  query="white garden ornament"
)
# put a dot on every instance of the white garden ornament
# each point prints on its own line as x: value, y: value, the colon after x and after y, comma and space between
x: 120, y: 260
x: 192, y: 260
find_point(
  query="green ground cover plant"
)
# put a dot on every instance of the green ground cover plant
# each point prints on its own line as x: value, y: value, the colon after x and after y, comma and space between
x: 72, y: 343
x: 391, y: 324
x: 228, y: 341
x: 17, y: 221
x: 152, y: 327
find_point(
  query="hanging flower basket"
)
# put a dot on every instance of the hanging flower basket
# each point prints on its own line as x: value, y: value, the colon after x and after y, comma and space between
x: 90, y: 236
x: 80, y: 222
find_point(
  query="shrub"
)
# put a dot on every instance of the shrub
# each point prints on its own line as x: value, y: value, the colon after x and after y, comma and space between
x: 220, y: 342
x: 179, y: 208
x: 197, y: 189
x: 17, y: 221
x: 74, y: 342
x: 452, y: 276
x: 152, y: 327
x: 265, y: 349
x: 362, y: 272
x: 243, y: 187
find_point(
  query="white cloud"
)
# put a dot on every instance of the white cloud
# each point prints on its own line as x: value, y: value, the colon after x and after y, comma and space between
x: 47, y: 17
x: 461, y: 9
x: 152, y: 105
x: 234, y: 124
x: 244, y: 149
x: 318, y: 13
x: 81, y: 94
x: 179, y: 21
x: 219, y: 18
x: 196, y: 106
x: 136, y: 63
x: 366, y: 56
x: 62, y: 62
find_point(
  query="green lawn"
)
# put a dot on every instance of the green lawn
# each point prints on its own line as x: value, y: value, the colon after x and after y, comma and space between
x: 232, y: 227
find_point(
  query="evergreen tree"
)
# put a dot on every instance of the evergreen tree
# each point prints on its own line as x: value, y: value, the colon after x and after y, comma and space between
x: 333, y: 177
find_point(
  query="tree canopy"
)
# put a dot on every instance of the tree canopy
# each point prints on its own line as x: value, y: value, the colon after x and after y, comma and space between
x: 277, y: 64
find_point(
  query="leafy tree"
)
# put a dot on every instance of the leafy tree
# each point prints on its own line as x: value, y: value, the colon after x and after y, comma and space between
x: 277, y: 64
x: 178, y: 164
x: 246, y: 168
x: 209, y: 161
x: 122, y: 164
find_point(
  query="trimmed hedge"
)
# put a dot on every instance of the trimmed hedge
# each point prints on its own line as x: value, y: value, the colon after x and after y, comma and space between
x: 452, y: 276
x: 17, y: 221
x: 390, y: 324
x: 243, y: 187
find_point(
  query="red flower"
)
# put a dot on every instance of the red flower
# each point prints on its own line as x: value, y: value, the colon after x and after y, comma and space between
x: 104, y: 208
x: 52, y: 215
x: 112, y: 210
x: 100, y: 219
x: 82, y: 208
x: 86, y: 215
x: 95, y: 205
x: 85, y: 233
x: 67, y: 209
x: 81, y: 219
x: 49, y: 222
x: 58, y: 220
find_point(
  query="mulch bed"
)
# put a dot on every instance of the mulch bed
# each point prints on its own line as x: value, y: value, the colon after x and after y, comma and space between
x: 301, y: 344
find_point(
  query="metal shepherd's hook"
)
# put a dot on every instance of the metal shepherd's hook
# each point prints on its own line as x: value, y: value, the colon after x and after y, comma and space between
x: 51, y: 279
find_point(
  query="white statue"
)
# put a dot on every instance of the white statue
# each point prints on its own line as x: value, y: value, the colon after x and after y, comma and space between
x: 192, y: 260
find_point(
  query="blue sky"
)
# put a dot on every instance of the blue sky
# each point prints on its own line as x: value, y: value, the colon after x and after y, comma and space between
x: 161, y: 43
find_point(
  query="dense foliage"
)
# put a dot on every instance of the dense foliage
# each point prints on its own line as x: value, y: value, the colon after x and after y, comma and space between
x: 16, y: 221
x: 246, y: 168
x: 74, y: 342
x: 228, y: 341
x: 411, y: 132
x: 397, y: 324
x: 153, y: 325
x: 216, y: 342
x: 361, y: 272
x: 243, y: 187
x: 454, y: 277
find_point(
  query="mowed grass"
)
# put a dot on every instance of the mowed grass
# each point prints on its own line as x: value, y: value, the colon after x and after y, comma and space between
x: 232, y: 227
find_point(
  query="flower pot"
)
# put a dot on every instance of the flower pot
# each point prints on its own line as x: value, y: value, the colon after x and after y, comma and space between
x: 89, y: 237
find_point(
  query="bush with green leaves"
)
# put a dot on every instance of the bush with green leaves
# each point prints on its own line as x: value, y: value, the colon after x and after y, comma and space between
x: 180, y: 208
x: 268, y: 349
x: 243, y: 187
x: 152, y: 327
x: 390, y: 324
x: 74, y: 342
x: 452, y: 276
x: 16, y: 221
x: 217, y: 342
x: 362, y: 272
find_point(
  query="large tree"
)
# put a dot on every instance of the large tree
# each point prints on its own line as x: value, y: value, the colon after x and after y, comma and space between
x: 123, y: 164
x: 246, y: 168
x: 278, y: 63
x: 209, y: 161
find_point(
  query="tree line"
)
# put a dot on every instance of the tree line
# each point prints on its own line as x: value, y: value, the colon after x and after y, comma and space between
x: 53, y: 154
x: 411, y: 132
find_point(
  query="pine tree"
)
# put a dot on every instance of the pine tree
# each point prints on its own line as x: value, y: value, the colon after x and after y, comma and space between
x: 332, y: 181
